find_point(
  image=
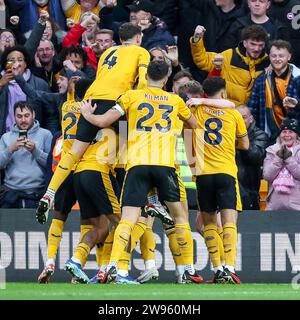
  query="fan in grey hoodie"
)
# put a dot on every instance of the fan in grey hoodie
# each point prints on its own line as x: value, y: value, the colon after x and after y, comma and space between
x: 24, y: 159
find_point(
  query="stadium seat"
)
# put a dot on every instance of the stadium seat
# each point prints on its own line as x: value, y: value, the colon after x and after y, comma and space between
x: 263, y: 193
x: 76, y: 206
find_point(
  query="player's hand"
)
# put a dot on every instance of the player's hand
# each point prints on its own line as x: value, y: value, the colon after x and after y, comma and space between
x: 14, y: 20
x: 218, y: 60
x: 199, y: 33
x: 289, y: 102
x: 86, y: 108
x: 194, y: 102
x: 70, y: 23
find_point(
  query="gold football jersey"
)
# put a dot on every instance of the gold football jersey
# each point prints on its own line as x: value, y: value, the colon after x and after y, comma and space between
x: 152, y: 115
x: 214, y: 142
x: 118, y: 70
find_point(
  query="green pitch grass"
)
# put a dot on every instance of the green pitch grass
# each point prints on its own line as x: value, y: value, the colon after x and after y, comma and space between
x: 62, y: 291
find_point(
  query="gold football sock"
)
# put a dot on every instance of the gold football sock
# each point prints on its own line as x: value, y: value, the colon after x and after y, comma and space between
x: 211, y: 240
x: 108, y: 243
x: 99, y: 251
x: 147, y: 244
x: 173, y: 245
x: 229, y: 240
x: 62, y: 171
x: 220, y: 244
x: 123, y: 263
x: 121, y: 239
x: 82, y: 252
x: 84, y: 229
x: 137, y: 232
x: 54, y: 237
x: 185, y: 242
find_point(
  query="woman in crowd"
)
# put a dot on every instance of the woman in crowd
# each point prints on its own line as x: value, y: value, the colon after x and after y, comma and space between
x: 15, y: 62
x: 282, y: 168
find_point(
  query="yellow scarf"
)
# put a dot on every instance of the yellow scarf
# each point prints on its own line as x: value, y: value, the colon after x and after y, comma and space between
x: 281, y: 85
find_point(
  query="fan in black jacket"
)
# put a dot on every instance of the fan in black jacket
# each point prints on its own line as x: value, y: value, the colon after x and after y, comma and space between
x: 288, y: 13
x: 216, y: 21
x: 250, y: 161
x: 275, y: 29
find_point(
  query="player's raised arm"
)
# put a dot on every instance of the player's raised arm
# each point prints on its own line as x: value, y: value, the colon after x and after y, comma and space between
x: 219, y: 103
x: 186, y: 115
x: 101, y: 121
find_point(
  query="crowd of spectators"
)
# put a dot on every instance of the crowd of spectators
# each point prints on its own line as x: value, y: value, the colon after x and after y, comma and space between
x: 253, y: 44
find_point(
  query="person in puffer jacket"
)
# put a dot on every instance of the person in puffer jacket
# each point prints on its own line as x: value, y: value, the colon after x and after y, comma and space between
x: 241, y: 66
x: 282, y: 168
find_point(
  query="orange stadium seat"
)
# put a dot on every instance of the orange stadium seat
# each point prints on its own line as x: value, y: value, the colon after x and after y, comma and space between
x: 263, y: 193
x: 76, y: 206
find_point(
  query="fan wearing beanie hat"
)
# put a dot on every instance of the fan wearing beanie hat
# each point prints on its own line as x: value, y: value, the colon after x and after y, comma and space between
x: 142, y: 5
x: 289, y: 133
x: 155, y: 32
x: 281, y: 168
x: 290, y: 124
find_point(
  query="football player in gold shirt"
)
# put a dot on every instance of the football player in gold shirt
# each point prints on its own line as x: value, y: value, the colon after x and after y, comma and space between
x: 118, y: 69
x: 152, y: 126
x: 220, y: 132
x: 65, y: 197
